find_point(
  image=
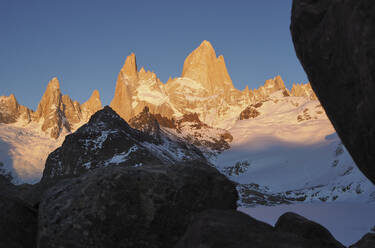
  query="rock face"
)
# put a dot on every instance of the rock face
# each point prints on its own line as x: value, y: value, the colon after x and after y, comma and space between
x: 50, y: 110
x: 11, y: 111
x: 58, y: 113
x: 315, y: 234
x: 249, y: 112
x: 334, y: 42
x: 233, y: 229
x: 303, y: 90
x: 107, y: 140
x: 130, y: 207
x: 147, y: 123
x: 204, y: 67
x: 18, y: 224
x: 204, y: 88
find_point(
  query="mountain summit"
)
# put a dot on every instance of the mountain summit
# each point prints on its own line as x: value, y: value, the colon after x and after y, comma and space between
x: 56, y: 113
x: 204, y: 88
x: 204, y: 67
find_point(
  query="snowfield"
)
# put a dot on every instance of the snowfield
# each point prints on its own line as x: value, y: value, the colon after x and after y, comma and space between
x: 24, y: 150
x: 291, y: 152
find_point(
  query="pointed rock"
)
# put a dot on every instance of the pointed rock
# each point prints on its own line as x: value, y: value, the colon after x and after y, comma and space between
x: 50, y: 110
x: 130, y: 67
x: 303, y: 90
x: 203, y: 66
x: 92, y: 105
x: 11, y: 111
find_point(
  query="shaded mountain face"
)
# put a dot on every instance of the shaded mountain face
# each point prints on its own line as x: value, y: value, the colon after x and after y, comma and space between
x: 334, y: 42
x: 189, y: 128
x: 107, y: 140
x: 56, y: 113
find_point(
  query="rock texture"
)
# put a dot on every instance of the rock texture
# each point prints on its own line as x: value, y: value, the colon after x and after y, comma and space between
x: 204, y: 88
x: 249, y: 112
x: 315, y: 234
x: 303, y: 90
x: 11, y: 111
x: 56, y: 113
x: 59, y: 113
x: 18, y: 224
x: 107, y: 140
x: 233, y: 229
x: 210, y: 71
x: 334, y: 42
x: 130, y: 207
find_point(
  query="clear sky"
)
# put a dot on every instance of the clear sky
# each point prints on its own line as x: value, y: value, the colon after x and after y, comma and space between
x: 85, y: 42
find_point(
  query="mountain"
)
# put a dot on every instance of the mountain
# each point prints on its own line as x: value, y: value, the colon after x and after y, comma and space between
x: 27, y: 137
x: 204, y: 88
x: 11, y: 110
x: 248, y: 135
x: 107, y: 140
x: 285, y: 150
x: 59, y: 113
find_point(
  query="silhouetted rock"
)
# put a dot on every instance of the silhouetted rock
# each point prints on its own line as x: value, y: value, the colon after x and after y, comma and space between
x: 229, y: 229
x: 18, y: 224
x: 148, y: 206
x: 233, y: 229
x: 334, y: 42
x: 315, y: 234
x: 367, y: 241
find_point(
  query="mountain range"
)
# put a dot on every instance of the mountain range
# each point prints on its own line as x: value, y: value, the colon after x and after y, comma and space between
x: 198, y: 116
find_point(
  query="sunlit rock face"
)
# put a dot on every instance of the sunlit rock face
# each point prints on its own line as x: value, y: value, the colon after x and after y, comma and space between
x: 204, y: 88
x: 334, y: 42
x: 11, y: 111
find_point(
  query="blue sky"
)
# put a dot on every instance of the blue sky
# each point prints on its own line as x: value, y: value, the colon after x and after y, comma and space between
x: 85, y: 43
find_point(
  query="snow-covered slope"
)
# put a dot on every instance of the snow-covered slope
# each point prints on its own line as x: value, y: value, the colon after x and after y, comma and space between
x: 290, y: 152
x: 24, y: 150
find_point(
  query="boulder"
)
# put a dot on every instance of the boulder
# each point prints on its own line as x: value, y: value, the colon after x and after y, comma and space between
x: 148, y: 206
x: 18, y: 223
x: 233, y: 229
x: 334, y: 40
x: 367, y: 241
x: 314, y: 233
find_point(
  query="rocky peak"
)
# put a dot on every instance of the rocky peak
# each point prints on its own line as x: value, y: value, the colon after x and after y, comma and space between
x: 204, y: 67
x: 146, y: 122
x: 303, y: 90
x: 51, y: 110
x: 11, y: 111
x: 270, y: 86
x: 130, y: 67
x: 92, y: 105
x: 108, y: 140
x: 275, y: 84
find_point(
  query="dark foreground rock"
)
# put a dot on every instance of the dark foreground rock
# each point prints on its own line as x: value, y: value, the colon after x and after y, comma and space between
x: 367, y: 241
x: 312, y: 232
x: 233, y: 229
x: 334, y: 40
x: 130, y: 206
x: 18, y: 224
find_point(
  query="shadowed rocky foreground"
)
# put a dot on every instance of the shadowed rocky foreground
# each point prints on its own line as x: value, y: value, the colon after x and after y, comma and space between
x: 125, y: 204
x: 93, y: 195
x: 334, y: 40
